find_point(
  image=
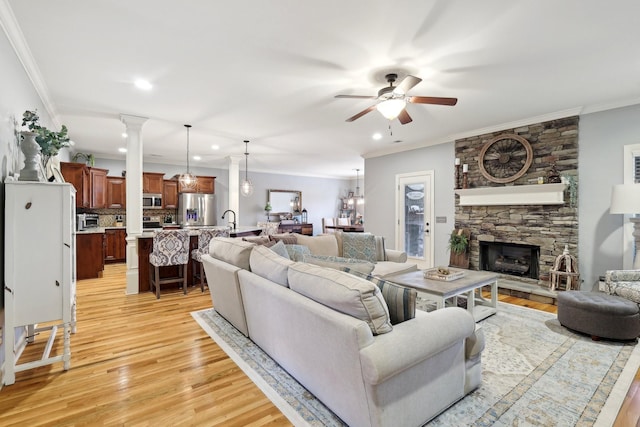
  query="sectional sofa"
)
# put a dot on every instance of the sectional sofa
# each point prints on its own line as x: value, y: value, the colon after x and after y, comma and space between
x: 332, y: 331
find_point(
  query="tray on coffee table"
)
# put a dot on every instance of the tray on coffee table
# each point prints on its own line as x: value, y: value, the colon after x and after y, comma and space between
x: 434, y: 274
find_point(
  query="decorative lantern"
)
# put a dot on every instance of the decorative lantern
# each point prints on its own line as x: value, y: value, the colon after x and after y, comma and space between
x: 565, y: 270
x: 304, y: 216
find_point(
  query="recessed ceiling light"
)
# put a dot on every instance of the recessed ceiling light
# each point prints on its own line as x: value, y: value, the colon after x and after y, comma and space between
x: 124, y: 134
x: 197, y: 158
x: 143, y: 84
x: 377, y: 136
x: 122, y: 150
x: 215, y: 147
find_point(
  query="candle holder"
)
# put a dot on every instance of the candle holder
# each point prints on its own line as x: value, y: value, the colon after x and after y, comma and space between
x: 457, y: 183
x: 465, y: 180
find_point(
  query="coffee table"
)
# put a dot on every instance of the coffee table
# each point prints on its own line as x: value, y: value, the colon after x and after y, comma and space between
x: 469, y: 285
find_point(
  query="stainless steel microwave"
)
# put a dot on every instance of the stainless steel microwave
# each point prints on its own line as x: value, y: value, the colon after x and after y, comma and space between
x: 151, y: 201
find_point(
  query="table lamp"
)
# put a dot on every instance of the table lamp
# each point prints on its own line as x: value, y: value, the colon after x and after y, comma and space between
x: 625, y: 199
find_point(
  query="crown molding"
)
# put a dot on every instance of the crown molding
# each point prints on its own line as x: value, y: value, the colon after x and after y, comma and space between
x: 16, y: 38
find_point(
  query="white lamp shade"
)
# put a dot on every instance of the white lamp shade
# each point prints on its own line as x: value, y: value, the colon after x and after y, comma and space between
x: 391, y: 108
x: 625, y: 199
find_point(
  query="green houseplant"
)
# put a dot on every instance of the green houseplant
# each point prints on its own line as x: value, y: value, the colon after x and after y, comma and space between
x: 458, y: 242
x: 50, y: 142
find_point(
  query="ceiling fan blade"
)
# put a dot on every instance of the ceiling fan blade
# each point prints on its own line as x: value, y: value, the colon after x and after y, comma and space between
x: 432, y: 100
x: 404, y: 117
x: 356, y: 96
x: 361, y: 113
x: 407, y: 83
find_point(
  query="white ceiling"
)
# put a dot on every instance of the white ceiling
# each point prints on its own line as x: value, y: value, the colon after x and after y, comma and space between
x: 268, y: 71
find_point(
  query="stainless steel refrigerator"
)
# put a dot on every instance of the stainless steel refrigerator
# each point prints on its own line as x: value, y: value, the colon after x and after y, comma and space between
x: 196, y: 210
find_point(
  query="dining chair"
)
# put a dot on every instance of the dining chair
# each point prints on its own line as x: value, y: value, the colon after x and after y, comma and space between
x: 170, y: 248
x: 204, y: 239
x: 328, y: 222
x: 268, y: 228
x: 344, y: 221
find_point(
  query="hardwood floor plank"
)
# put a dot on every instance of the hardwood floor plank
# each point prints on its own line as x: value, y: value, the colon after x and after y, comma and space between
x: 138, y: 361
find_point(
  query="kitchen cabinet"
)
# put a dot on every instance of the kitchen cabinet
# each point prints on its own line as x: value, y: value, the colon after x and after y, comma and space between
x: 170, y: 194
x: 98, y: 180
x: 77, y: 174
x: 152, y: 182
x: 116, y: 192
x: 205, y: 184
x: 39, y: 277
x: 90, y: 255
x: 115, y: 245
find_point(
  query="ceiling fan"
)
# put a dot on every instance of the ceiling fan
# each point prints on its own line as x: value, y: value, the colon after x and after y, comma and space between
x: 393, y: 99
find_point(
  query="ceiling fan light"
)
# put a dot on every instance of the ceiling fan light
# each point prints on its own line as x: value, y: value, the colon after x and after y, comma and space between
x: 391, y: 108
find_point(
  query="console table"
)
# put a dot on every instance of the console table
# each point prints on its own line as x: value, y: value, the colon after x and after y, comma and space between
x: 300, y: 228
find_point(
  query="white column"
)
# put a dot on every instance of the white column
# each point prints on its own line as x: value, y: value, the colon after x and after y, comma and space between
x: 134, y: 196
x: 234, y: 186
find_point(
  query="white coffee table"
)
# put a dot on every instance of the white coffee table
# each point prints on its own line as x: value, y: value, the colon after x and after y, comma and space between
x: 469, y: 285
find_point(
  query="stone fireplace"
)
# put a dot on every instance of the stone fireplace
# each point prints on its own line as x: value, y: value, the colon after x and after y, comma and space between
x: 530, y: 221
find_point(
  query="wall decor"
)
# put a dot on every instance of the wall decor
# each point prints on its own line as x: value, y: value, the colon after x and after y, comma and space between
x: 505, y: 158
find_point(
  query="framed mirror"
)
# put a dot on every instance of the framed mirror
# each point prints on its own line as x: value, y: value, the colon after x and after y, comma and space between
x: 285, y: 201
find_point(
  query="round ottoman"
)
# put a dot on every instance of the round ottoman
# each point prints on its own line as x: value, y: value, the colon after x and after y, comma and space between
x: 599, y: 315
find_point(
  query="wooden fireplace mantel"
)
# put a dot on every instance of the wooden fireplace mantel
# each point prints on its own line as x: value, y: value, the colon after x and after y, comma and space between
x: 537, y: 194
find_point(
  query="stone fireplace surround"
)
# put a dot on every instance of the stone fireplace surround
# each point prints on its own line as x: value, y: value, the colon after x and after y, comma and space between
x: 549, y: 224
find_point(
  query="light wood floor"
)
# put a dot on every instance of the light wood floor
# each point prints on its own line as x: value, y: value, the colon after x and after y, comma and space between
x: 144, y: 362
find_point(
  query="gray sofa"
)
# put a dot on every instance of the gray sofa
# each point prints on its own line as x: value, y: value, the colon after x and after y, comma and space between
x: 405, y: 376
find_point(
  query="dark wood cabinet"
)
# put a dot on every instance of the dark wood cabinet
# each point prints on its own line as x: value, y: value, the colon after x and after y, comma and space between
x: 205, y: 184
x: 170, y: 194
x: 152, y: 182
x: 98, y: 180
x: 116, y: 192
x: 306, y: 229
x: 89, y: 255
x: 115, y: 245
x: 77, y: 174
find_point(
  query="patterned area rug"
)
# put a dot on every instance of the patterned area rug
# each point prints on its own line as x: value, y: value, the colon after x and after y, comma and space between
x: 535, y: 373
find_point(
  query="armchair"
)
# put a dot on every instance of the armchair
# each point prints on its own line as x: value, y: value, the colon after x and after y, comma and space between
x: 624, y: 283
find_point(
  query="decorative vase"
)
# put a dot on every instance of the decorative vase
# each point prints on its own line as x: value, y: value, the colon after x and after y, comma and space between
x: 31, y: 151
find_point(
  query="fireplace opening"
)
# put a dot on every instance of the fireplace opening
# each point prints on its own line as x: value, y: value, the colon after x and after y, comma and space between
x: 510, y: 258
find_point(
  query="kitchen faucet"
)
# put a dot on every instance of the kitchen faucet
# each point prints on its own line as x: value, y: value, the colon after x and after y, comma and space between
x: 234, y: 217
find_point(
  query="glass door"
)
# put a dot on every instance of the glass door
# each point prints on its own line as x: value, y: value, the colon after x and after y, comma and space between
x: 414, y: 216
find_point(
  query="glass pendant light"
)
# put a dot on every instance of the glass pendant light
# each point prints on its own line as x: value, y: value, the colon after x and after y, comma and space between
x: 246, y: 187
x: 358, y: 197
x: 186, y: 180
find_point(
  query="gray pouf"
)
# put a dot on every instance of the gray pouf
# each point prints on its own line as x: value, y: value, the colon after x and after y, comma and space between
x: 599, y: 315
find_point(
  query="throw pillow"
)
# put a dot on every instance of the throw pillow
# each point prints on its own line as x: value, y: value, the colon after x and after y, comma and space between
x: 232, y: 251
x: 323, y: 244
x: 400, y: 300
x: 280, y: 249
x: 287, y: 238
x: 296, y: 252
x: 342, y: 292
x: 359, y: 246
x: 258, y: 240
x: 339, y: 263
x: 268, y: 264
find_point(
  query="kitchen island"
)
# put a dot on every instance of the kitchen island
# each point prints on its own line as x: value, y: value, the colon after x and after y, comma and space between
x: 145, y: 247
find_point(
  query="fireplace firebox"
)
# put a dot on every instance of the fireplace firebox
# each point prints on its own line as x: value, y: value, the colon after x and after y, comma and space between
x: 510, y: 258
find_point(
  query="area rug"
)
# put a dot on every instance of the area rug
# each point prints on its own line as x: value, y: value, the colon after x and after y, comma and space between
x: 535, y: 373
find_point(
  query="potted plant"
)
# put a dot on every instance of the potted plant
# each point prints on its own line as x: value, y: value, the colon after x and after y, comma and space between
x: 50, y: 142
x: 459, y: 248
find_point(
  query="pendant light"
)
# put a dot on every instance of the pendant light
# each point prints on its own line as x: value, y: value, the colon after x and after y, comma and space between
x: 186, y: 180
x: 358, y: 197
x: 246, y: 188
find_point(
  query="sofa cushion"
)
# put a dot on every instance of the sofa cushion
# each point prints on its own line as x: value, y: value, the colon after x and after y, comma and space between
x: 388, y: 268
x: 359, y: 246
x: 381, y: 253
x: 296, y: 252
x: 268, y: 264
x: 339, y: 263
x: 232, y: 251
x: 342, y: 292
x: 286, y: 238
x: 280, y: 249
x: 400, y: 300
x: 258, y: 240
x: 323, y: 244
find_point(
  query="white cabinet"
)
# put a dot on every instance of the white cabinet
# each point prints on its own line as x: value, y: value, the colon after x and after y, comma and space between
x: 40, y: 270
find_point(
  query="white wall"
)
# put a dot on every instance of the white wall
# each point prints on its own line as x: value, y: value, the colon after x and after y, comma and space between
x: 601, y: 143
x: 380, y: 178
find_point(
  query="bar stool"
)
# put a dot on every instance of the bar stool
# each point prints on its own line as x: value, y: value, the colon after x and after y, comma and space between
x: 204, y: 238
x: 170, y: 248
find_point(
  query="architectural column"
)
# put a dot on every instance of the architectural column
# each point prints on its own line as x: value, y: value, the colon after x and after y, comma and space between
x: 134, y: 196
x: 234, y: 185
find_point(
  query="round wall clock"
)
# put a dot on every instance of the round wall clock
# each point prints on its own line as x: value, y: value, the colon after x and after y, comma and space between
x: 505, y: 158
